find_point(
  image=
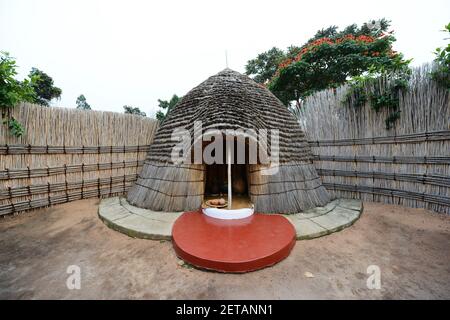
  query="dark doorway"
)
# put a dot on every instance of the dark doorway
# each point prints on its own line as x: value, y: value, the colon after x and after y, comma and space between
x: 216, y: 179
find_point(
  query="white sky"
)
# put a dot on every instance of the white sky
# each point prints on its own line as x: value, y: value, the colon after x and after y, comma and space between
x: 134, y: 52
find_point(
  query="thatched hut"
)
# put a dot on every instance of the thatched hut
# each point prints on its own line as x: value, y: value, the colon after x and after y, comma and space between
x: 230, y: 100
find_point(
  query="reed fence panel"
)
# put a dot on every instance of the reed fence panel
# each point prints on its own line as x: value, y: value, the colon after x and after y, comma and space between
x: 69, y: 154
x: 357, y: 157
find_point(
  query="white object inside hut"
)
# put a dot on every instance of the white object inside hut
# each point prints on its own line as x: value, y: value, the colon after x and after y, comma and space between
x: 227, y: 214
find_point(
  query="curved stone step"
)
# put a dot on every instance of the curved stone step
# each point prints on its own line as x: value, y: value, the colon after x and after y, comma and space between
x: 136, y: 222
x: 320, y: 221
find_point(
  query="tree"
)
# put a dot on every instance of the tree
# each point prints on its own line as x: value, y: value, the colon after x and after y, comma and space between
x: 12, y: 92
x: 329, y: 63
x: 441, y: 74
x: 82, y: 103
x: 131, y: 110
x: 372, y: 27
x: 166, y: 105
x: 330, y: 58
x: 264, y: 66
x: 43, y: 87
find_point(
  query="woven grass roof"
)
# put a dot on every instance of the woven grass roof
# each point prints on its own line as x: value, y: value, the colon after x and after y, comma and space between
x: 230, y: 100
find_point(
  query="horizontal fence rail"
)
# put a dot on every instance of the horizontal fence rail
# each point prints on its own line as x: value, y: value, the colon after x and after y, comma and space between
x: 432, y: 179
x: 106, y: 190
x: 29, y: 149
x: 48, y: 188
x: 421, y: 196
x: 24, y: 173
x: 405, y: 138
x: 380, y: 159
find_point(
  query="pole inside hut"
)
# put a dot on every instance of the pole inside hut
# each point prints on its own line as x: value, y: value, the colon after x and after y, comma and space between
x: 229, y: 173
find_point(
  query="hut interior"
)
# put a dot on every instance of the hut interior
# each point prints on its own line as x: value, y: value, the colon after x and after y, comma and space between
x: 216, y: 179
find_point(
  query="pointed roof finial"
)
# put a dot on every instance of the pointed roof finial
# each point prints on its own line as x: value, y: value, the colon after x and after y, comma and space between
x: 226, y: 59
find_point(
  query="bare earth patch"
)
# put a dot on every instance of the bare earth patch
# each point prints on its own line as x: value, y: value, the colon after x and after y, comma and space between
x: 411, y: 246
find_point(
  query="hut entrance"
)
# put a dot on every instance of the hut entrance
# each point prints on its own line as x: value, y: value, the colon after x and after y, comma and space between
x: 216, y: 184
x: 219, y: 175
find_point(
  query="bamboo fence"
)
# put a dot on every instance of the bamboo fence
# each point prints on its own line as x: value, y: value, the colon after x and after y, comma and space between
x: 357, y: 157
x: 69, y: 154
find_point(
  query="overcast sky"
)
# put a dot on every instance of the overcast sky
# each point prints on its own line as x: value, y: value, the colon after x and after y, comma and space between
x: 134, y: 52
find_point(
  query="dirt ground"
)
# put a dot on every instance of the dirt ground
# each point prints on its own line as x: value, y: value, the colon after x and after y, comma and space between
x: 411, y: 247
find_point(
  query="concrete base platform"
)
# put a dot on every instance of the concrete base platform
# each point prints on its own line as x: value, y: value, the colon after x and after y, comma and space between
x: 119, y: 215
x: 335, y: 216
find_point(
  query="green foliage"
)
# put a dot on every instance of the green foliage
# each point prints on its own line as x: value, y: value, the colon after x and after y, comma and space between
x: 391, y: 119
x: 327, y: 60
x: 43, y: 87
x: 373, y: 27
x: 131, y: 110
x: 38, y: 88
x: 82, y: 103
x: 331, y: 65
x: 357, y: 94
x: 385, y: 100
x: 15, y: 127
x: 12, y: 92
x: 264, y: 66
x: 442, y: 59
x: 167, y: 106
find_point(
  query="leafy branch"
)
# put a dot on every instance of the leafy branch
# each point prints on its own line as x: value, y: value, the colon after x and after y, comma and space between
x: 12, y: 92
x: 389, y: 98
x: 442, y: 59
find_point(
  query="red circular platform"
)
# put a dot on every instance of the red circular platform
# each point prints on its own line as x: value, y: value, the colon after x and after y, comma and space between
x: 232, y: 245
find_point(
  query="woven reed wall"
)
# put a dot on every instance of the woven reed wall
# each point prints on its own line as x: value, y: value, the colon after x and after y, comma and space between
x: 69, y: 154
x: 166, y: 187
x: 357, y: 157
x: 295, y: 187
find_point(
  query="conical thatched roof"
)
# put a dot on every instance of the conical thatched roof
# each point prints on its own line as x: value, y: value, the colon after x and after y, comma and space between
x: 230, y: 100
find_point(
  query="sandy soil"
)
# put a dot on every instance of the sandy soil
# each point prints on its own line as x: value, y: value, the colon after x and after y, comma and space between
x: 411, y: 247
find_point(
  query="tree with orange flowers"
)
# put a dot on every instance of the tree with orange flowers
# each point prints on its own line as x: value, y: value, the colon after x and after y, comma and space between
x: 331, y: 58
